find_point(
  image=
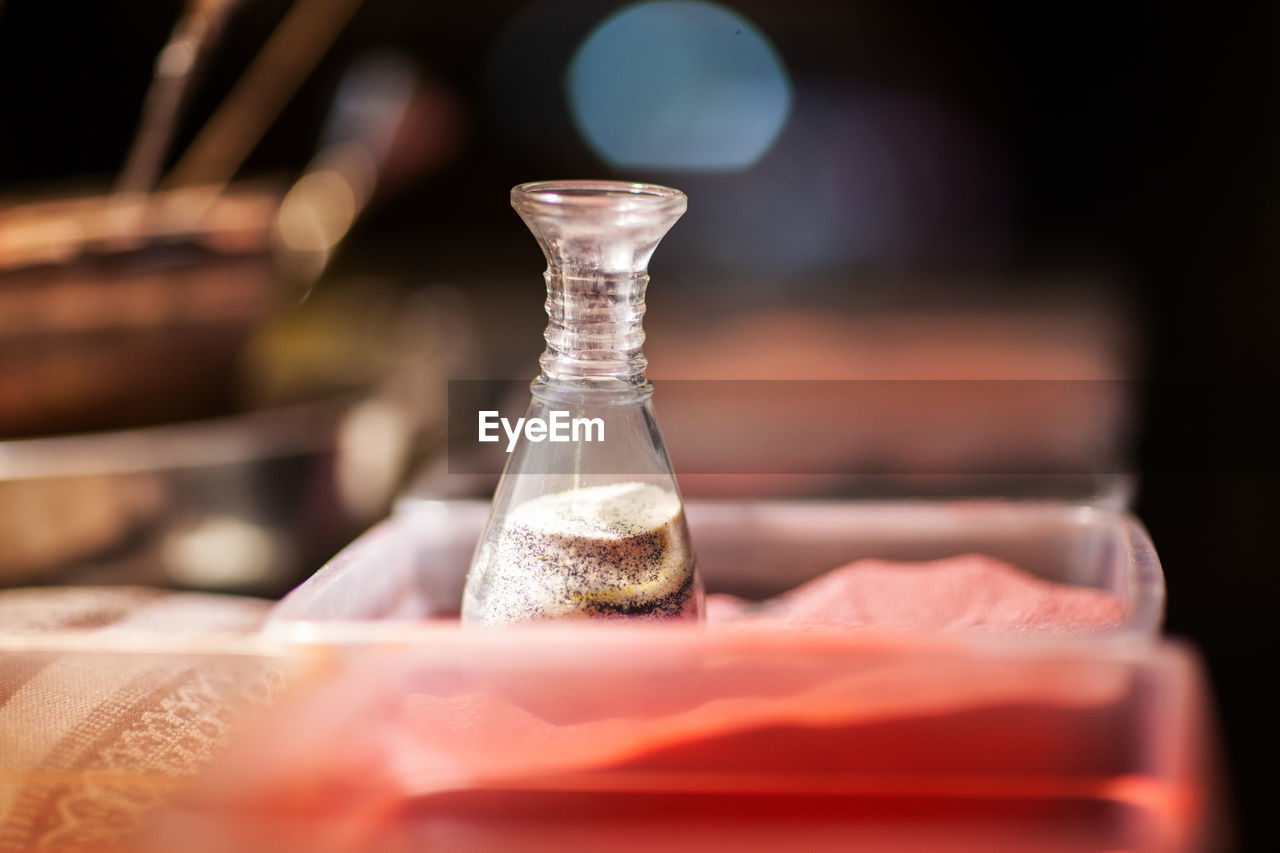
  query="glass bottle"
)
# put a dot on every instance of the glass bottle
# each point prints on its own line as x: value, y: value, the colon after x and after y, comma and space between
x: 591, y: 526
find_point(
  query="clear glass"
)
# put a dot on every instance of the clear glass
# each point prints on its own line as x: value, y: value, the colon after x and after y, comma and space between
x: 591, y: 526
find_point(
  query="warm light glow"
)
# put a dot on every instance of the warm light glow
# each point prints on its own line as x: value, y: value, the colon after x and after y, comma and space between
x: 222, y: 551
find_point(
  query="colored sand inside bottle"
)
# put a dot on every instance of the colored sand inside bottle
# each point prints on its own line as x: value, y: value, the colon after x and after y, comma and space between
x: 615, y: 550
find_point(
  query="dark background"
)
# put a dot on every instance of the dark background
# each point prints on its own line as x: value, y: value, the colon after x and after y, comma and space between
x: 1135, y: 137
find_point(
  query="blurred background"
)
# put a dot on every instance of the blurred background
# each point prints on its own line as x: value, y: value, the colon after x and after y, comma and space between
x: 246, y: 244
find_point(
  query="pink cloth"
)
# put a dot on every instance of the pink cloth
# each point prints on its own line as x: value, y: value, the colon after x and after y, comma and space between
x: 966, y: 593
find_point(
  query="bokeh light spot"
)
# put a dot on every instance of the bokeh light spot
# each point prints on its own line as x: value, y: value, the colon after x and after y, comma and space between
x: 678, y: 85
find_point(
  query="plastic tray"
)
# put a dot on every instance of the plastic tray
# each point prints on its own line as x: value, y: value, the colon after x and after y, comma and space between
x: 627, y: 737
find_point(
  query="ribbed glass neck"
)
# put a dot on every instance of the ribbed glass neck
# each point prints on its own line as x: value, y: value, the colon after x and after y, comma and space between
x: 595, y: 330
x: 598, y: 237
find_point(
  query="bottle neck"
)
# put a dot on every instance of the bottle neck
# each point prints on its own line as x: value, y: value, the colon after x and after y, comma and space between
x: 594, y: 332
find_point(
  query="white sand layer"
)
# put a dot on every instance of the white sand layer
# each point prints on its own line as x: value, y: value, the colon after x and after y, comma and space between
x: 619, y: 549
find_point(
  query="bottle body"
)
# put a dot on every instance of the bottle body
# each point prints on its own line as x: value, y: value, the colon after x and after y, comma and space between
x: 586, y: 528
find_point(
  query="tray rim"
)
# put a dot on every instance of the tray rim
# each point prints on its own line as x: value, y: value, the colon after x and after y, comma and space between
x: 1147, y: 592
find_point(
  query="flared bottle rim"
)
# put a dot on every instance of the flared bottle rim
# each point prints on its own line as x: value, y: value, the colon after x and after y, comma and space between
x: 566, y: 196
